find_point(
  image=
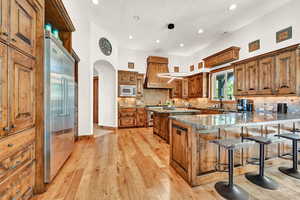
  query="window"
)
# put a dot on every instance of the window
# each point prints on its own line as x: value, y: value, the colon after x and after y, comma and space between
x: 222, y: 85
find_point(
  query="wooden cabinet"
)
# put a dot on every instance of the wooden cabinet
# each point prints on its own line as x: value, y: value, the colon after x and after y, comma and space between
x: 222, y: 57
x: 140, y: 85
x: 23, y: 26
x: 127, y: 78
x: 4, y: 19
x: 273, y: 73
x: 286, y: 72
x: 239, y: 80
x: 23, y: 91
x: 161, y: 125
x: 251, y: 77
x: 179, y: 148
x: 185, y: 88
x: 3, y: 89
x: 198, y: 85
x: 266, y: 75
x: 176, y: 91
x: 141, y: 117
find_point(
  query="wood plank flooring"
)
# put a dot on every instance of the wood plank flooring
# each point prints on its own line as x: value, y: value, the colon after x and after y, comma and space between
x: 133, y: 164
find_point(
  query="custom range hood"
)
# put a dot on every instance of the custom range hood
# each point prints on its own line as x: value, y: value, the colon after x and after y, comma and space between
x: 155, y: 66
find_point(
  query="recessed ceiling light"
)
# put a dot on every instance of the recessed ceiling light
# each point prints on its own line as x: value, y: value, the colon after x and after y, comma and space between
x: 136, y: 18
x: 130, y: 37
x: 200, y: 31
x: 181, y: 45
x: 232, y: 7
x: 157, y: 41
x: 96, y: 2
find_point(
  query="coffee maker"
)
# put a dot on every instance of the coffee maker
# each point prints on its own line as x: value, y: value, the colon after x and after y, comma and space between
x: 244, y: 105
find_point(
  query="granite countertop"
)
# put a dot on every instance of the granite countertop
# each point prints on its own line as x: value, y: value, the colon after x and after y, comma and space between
x: 176, y: 110
x: 230, y: 120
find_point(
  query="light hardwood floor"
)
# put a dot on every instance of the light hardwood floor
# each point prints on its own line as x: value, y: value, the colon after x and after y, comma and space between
x: 132, y: 164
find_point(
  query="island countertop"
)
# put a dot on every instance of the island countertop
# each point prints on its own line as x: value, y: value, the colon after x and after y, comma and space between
x: 173, y: 111
x: 230, y: 120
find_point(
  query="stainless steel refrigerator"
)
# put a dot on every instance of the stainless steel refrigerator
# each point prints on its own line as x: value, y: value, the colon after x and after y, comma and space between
x: 59, y: 106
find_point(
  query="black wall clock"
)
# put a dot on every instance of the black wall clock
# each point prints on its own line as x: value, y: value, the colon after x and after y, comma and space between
x: 105, y: 46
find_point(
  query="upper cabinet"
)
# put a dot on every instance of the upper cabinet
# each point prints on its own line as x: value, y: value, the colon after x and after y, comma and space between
x: 176, y: 91
x: 3, y: 89
x: 222, y: 57
x: 23, y: 26
x: 198, y: 85
x: 273, y: 73
x: 127, y: 77
x: 4, y: 19
x: 140, y: 85
x: 185, y: 88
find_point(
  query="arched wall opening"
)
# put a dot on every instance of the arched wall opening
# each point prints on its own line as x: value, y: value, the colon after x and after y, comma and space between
x: 107, y: 104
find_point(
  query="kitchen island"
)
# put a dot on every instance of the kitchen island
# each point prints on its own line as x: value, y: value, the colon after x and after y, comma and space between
x: 161, y: 119
x: 199, y: 161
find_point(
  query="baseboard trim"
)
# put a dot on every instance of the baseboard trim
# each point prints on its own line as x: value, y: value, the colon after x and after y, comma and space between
x: 85, y: 137
x: 108, y: 127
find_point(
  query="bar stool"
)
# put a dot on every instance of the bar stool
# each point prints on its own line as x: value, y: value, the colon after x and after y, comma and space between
x: 260, y: 179
x: 229, y: 190
x: 293, y: 172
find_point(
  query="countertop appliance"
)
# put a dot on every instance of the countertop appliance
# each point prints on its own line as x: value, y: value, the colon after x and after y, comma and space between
x: 127, y: 91
x: 245, y: 105
x: 59, y: 106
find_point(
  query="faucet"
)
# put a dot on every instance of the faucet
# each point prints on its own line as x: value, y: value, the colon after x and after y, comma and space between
x: 221, y: 103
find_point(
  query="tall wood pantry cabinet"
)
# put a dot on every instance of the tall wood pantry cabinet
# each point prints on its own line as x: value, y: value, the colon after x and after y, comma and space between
x: 18, y: 33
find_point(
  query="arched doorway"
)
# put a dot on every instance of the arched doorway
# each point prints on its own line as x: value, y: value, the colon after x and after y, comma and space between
x: 106, y: 74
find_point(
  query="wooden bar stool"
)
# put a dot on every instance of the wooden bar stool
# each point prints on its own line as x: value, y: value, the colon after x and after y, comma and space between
x: 260, y: 179
x: 229, y: 190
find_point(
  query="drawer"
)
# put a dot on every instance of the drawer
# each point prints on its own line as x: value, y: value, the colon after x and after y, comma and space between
x: 20, y: 185
x: 14, y: 143
x: 127, y: 114
x: 10, y: 164
x: 127, y: 122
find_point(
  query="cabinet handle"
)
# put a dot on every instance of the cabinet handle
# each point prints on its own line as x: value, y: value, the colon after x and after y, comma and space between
x: 284, y: 86
x: 13, y: 126
x: 13, y: 39
x: 178, y: 132
x: 265, y: 88
x: 10, y: 145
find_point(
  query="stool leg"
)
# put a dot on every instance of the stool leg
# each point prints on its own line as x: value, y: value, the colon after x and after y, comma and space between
x: 228, y: 190
x: 260, y: 179
x: 293, y: 172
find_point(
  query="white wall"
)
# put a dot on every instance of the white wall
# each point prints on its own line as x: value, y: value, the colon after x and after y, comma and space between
x: 140, y: 60
x: 264, y: 29
x: 82, y: 48
x: 107, y: 94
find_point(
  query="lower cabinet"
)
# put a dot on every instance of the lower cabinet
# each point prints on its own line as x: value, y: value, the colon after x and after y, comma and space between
x: 179, y: 148
x: 132, y: 117
x: 141, y: 117
x: 161, y: 126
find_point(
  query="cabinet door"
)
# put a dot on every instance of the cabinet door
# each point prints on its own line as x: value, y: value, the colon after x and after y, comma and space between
x: 185, y: 88
x: 140, y: 117
x: 4, y: 18
x: 23, y: 26
x: 179, y: 147
x: 266, y: 75
x: 3, y: 89
x: 239, y: 81
x: 139, y: 85
x: 251, y: 70
x: 286, y: 73
x: 127, y: 122
x: 23, y: 91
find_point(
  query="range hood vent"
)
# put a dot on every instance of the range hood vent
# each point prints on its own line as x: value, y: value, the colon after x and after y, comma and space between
x: 155, y: 66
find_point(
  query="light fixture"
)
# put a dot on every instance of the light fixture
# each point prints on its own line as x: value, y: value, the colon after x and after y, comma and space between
x: 181, y: 45
x: 200, y: 31
x: 96, y: 2
x: 157, y: 41
x: 130, y: 37
x: 232, y: 7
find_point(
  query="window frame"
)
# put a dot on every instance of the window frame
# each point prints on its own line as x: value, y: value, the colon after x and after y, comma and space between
x: 214, y: 74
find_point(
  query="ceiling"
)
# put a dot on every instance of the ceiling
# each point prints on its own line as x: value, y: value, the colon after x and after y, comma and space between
x: 213, y: 16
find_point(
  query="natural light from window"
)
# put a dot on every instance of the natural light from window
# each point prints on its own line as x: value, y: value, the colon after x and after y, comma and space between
x: 222, y: 85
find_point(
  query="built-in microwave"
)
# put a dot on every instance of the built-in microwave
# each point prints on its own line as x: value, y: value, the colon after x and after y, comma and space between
x: 127, y: 91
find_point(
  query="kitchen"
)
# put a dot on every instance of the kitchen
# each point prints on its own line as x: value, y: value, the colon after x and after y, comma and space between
x: 160, y: 99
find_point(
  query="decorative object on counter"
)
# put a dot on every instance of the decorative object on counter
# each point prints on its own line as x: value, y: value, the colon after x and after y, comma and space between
x: 105, y: 46
x: 253, y: 46
x: 192, y: 68
x: 244, y: 105
x: 222, y: 57
x: 48, y: 27
x: 284, y: 34
x: 282, y: 108
x: 229, y: 190
x: 55, y: 33
x: 131, y: 65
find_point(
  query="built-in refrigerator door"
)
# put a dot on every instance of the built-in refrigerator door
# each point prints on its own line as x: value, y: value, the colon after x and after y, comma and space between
x: 59, y: 108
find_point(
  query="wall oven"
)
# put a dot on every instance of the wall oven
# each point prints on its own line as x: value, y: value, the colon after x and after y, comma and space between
x: 127, y: 91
